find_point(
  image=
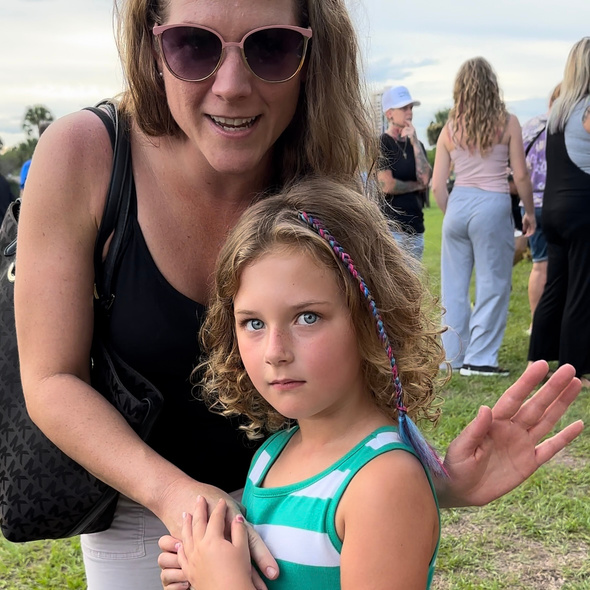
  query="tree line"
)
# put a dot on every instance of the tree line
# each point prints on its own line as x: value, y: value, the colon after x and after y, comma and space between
x: 12, y: 158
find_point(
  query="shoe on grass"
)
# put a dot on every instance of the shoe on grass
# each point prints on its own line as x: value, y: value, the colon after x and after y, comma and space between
x: 483, y: 370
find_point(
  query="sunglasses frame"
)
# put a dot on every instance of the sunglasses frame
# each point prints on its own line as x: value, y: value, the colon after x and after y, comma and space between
x: 306, y: 33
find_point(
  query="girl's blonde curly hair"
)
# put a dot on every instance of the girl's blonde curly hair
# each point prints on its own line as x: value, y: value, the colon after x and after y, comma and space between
x: 479, y: 115
x: 410, y: 316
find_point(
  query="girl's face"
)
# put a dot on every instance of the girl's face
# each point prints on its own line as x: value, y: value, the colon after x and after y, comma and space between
x: 232, y: 118
x: 296, y: 337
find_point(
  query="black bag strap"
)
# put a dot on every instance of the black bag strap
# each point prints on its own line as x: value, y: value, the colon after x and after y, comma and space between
x: 116, y: 210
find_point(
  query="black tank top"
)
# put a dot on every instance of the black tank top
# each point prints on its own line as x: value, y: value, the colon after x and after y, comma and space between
x: 566, y: 199
x: 154, y: 328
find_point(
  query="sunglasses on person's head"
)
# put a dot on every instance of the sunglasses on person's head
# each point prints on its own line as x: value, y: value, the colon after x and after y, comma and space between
x: 194, y: 53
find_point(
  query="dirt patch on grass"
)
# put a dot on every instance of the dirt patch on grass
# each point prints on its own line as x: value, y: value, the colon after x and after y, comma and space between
x: 480, y: 557
x: 568, y: 460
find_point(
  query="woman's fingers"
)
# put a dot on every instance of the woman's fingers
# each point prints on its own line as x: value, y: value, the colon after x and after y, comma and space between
x: 261, y: 555
x: 550, y: 447
x: 512, y: 399
x: 533, y: 411
x: 556, y: 410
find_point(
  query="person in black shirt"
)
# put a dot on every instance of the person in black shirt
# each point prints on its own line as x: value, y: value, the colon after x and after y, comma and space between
x: 404, y: 171
x: 6, y: 196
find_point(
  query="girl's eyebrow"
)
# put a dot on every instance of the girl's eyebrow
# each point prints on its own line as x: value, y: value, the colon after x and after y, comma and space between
x: 298, y: 306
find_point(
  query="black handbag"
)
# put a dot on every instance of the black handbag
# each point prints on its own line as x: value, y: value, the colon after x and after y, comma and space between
x: 43, y: 493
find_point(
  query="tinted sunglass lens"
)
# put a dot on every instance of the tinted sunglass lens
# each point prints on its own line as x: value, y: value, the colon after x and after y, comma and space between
x: 191, y: 53
x: 274, y: 54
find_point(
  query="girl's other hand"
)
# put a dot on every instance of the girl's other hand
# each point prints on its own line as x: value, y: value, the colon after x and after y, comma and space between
x: 174, y: 578
x: 181, y: 496
x: 208, y: 559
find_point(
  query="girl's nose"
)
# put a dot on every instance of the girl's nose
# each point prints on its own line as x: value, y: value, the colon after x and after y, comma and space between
x: 278, y: 348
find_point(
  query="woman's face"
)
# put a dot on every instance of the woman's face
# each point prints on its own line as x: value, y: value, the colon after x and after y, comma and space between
x: 232, y: 118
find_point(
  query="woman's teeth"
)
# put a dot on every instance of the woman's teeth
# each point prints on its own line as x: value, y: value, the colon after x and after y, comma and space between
x: 233, y: 124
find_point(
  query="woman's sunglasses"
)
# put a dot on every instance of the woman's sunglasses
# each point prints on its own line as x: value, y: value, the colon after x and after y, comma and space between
x: 194, y: 53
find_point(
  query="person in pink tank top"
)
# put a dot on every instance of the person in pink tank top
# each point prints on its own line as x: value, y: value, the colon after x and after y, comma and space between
x: 480, y: 139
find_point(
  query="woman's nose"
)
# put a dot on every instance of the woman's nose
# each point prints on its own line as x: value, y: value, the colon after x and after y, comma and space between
x: 233, y: 79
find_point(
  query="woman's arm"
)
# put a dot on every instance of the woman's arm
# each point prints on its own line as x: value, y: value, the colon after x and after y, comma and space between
x: 442, y: 169
x: 389, y: 539
x: 60, y: 215
x: 521, y: 175
x: 500, y: 448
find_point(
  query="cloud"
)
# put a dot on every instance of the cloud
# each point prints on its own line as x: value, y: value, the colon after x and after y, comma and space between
x: 63, y: 54
x: 386, y: 71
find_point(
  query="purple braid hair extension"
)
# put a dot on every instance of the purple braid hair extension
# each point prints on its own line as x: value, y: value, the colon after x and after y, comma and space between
x: 408, y: 431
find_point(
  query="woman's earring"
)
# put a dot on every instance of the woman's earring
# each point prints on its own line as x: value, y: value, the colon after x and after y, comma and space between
x: 161, y: 74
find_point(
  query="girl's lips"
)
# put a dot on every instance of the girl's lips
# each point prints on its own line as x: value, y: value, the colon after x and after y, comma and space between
x: 286, y: 384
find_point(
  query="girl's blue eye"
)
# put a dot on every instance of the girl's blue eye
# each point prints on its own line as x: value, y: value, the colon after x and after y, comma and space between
x: 307, y: 318
x: 254, y: 325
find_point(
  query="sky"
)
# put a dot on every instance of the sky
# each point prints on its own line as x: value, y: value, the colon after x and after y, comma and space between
x: 62, y: 54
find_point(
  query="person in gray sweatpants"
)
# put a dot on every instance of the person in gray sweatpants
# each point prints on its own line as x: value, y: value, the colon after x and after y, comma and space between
x: 478, y: 142
x: 477, y: 231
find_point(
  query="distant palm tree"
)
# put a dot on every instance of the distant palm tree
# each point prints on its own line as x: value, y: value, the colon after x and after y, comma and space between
x: 433, y: 130
x: 36, y: 117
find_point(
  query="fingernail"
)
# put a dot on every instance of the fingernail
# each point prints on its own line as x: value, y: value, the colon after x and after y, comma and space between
x: 271, y: 572
x: 183, y: 515
x: 177, y: 546
x: 240, y: 518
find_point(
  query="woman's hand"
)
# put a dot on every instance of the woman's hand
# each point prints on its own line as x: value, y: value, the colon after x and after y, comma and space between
x: 208, y: 559
x: 529, y: 224
x: 500, y: 448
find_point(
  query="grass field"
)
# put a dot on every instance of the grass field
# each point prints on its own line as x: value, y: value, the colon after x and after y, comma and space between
x: 537, y: 537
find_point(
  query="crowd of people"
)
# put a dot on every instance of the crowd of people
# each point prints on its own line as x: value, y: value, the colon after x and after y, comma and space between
x: 249, y: 227
x: 479, y: 144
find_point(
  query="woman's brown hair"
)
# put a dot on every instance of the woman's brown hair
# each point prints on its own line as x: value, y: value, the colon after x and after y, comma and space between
x: 330, y: 132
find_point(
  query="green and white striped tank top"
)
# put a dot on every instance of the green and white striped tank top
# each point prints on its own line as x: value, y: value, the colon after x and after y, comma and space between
x: 297, y: 522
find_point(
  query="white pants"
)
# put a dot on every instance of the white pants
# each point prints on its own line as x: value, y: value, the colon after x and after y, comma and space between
x: 125, y: 557
x: 477, y: 231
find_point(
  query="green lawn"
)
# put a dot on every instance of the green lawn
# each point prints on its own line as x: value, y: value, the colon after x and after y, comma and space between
x: 537, y: 537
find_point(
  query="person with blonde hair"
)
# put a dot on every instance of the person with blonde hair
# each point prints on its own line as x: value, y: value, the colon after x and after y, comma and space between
x: 220, y: 106
x: 561, y: 324
x: 480, y: 139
